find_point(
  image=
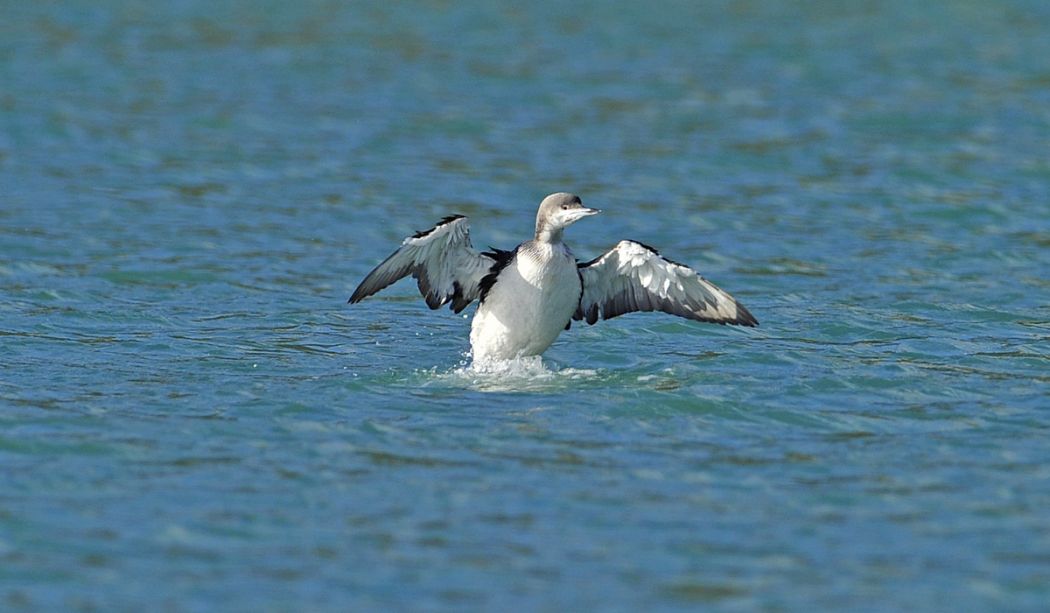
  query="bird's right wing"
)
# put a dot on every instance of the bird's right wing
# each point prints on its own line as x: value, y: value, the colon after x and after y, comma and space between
x: 633, y: 277
x: 441, y: 259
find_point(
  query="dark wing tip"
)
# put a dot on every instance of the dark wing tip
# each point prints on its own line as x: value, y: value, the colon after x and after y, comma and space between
x: 379, y: 278
x: 361, y: 293
x: 358, y: 295
x: 744, y: 317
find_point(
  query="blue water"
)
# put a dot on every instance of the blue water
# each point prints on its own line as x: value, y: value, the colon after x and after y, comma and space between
x: 192, y: 418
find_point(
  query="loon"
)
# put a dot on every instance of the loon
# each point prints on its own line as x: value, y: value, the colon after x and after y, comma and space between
x: 527, y: 296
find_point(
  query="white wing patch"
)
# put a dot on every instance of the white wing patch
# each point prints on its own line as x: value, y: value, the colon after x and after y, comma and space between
x: 443, y: 262
x: 633, y: 277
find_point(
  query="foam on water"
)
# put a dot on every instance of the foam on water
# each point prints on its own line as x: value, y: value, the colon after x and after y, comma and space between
x: 528, y: 373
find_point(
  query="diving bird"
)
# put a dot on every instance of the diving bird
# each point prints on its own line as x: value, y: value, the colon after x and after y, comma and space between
x: 527, y: 296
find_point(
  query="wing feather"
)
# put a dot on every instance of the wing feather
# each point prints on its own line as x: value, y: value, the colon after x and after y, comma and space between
x: 634, y: 277
x: 443, y: 262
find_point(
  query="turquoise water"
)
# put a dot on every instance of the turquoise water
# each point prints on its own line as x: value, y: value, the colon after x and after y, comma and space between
x: 192, y: 418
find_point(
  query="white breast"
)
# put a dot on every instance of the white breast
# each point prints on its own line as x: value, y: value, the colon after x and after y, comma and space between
x: 532, y: 300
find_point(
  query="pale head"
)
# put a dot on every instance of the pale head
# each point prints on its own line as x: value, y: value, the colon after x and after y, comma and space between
x: 557, y: 212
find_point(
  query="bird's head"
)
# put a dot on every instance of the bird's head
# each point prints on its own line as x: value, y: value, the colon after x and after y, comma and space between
x: 557, y: 212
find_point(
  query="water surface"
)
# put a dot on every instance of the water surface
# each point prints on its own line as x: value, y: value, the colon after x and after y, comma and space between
x: 193, y: 418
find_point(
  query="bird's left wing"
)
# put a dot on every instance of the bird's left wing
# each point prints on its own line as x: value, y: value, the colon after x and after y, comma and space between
x: 633, y: 277
x: 441, y: 259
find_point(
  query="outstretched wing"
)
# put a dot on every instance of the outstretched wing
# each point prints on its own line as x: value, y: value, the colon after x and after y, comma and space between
x: 441, y: 259
x: 633, y: 277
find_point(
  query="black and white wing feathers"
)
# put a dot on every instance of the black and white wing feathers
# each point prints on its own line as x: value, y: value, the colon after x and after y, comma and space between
x: 443, y: 262
x: 633, y: 277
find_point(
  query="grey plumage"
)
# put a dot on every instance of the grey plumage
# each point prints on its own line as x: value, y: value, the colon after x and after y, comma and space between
x: 634, y: 277
x: 443, y: 262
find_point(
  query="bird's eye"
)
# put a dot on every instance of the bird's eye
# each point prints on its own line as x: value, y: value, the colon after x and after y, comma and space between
x: 565, y: 207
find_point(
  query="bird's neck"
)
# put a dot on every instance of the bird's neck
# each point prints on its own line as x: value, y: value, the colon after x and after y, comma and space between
x: 546, y: 234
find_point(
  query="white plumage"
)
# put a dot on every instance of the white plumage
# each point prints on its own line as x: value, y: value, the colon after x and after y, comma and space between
x: 529, y: 295
x: 530, y: 303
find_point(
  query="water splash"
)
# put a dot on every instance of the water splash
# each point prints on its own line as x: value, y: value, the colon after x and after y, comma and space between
x: 525, y: 374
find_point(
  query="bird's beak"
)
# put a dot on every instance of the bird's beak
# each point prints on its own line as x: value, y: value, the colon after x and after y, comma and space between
x: 573, y: 215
